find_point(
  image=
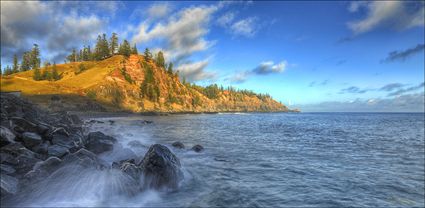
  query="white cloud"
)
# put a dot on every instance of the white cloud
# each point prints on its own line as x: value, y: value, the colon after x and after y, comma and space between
x: 245, y: 27
x: 196, y: 71
x: 55, y: 26
x: 264, y: 68
x: 182, y: 35
x: 159, y: 10
x: 226, y: 19
x: 269, y: 67
x: 394, y: 14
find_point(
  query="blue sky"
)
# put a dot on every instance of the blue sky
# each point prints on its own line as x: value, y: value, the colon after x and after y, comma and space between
x: 317, y: 56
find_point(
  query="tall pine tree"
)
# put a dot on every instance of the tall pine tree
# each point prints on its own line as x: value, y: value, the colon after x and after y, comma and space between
x: 113, y: 44
x: 15, y: 67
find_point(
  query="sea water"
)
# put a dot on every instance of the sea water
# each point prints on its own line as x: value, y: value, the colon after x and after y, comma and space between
x: 256, y: 160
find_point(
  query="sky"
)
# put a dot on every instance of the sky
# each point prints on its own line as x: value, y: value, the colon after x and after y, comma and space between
x: 360, y: 56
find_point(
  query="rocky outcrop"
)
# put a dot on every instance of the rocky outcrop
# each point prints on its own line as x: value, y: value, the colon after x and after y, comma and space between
x: 98, y: 142
x: 161, y: 168
x: 35, y: 144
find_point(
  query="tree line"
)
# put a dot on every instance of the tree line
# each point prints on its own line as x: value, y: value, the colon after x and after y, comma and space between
x: 104, y: 48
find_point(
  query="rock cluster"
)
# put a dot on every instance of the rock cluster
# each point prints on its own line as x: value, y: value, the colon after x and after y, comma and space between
x: 35, y: 143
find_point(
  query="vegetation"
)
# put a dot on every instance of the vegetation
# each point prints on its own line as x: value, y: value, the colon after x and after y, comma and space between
x: 149, y: 89
x: 127, y: 77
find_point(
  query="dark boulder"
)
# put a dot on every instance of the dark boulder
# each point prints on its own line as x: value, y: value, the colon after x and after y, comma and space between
x: 41, y: 148
x: 6, y: 136
x: 24, y: 124
x: 8, y: 185
x: 84, y: 158
x: 97, y: 142
x: 31, y: 139
x: 128, y: 167
x: 178, y: 145
x: 198, y: 148
x: 7, y: 169
x: 42, y: 170
x: 57, y: 151
x: 161, y: 168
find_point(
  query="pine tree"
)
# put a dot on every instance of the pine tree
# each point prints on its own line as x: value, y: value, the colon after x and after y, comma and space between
x: 73, y: 56
x: 98, y: 49
x: 105, y: 47
x: 26, y: 61
x: 134, y: 50
x: 37, y: 74
x: 125, y: 49
x: 160, y: 59
x: 7, y: 70
x: 89, y: 54
x: 15, y: 68
x: 148, y: 54
x: 45, y: 75
x: 170, y: 68
x: 55, y: 75
x: 35, y: 57
x: 114, y: 44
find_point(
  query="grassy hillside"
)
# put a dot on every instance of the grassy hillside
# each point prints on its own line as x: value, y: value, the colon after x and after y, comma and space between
x: 131, y: 84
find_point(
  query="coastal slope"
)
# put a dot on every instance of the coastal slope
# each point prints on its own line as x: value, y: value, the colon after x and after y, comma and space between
x: 132, y: 84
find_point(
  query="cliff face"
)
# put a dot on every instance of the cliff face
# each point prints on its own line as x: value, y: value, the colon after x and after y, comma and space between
x: 132, y: 84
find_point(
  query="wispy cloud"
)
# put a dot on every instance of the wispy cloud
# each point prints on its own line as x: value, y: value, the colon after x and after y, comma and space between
x: 264, y: 68
x: 406, y: 90
x: 391, y: 87
x: 315, y: 84
x: 353, y: 89
x: 195, y: 71
x: 397, y: 15
x: 402, y: 55
x: 404, y: 103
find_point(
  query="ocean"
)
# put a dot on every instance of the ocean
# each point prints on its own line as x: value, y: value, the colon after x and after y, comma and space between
x: 263, y: 160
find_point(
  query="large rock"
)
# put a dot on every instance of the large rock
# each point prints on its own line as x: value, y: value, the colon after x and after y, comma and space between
x: 31, y: 139
x: 6, y: 136
x: 7, y: 169
x: 8, y: 184
x: 57, y: 151
x: 161, y: 168
x: 24, y: 124
x: 85, y: 158
x: 97, y: 142
x: 42, y: 169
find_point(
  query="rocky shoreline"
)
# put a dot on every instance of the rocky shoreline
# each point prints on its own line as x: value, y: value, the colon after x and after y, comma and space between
x: 36, y: 143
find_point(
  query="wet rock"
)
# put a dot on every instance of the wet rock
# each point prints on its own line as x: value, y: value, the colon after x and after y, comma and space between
x: 49, y: 165
x: 7, y: 169
x: 111, y: 122
x: 8, y: 185
x: 84, y: 158
x: 6, y: 136
x: 31, y: 139
x: 132, y: 170
x: 57, y: 151
x: 197, y: 148
x: 6, y: 158
x: 42, y: 170
x: 41, y: 148
x: 161, y: 168
x: 97, y: 142
x: 24, y: 124
x: 178, y: 145
x: 43, y: 129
